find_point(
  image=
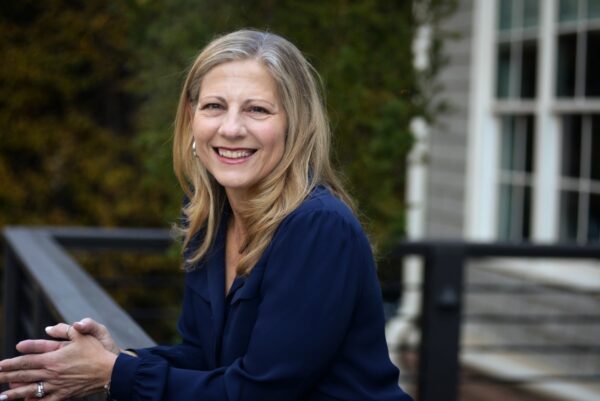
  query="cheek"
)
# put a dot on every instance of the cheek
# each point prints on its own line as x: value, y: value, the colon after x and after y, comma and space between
x: 276, y: 143
x: 201, y: 130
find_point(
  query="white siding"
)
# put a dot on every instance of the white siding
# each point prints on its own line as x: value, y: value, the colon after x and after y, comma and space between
x: 448, y: 135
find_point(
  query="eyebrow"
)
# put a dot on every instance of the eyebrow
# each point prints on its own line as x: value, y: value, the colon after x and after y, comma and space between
x: 252, y: 99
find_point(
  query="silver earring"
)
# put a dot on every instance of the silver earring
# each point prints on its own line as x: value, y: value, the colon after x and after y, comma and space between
x: 194, y: 148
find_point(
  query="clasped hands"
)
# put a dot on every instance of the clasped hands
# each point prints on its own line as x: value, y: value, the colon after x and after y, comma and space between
x: 77, y: 362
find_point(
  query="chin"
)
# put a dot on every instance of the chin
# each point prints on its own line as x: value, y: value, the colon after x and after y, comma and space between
x: 234, y: 184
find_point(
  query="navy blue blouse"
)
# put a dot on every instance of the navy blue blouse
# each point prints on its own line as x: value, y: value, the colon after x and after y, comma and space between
x: 306, y: 323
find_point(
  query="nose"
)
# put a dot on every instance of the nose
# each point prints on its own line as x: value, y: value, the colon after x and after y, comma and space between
x: 232, y: 125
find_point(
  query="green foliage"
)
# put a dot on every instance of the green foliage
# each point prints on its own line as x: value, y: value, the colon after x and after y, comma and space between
x: 66, y: 113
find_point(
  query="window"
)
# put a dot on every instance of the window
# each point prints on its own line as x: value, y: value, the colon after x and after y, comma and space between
x: 580, y: 178
x: 564, y: 113
x: 517, y: 49
x: 578, y: 63
x: 515, y: 176
x: 516, y: 81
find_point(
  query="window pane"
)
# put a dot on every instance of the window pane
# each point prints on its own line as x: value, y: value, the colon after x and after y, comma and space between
x: 528, y: 70
x: 571, y: 146
x: 526, y: 217
x: 508, y: 143
x: 514, y: 220
x: 503, y: 79
x: 568, y: 215
x: 505, y: 15
x: 594, y: 218
x: 529, y: 143
x: 530, y: 13
x: 595, y: 148
x: 592, y: 81
x: 506, y: 209
x: 593, y: 9
x: 568, y: 10
x: 517, y: 143
x: 567, y: 51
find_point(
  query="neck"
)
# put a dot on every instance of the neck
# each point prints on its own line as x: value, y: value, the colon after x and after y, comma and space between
x: 237, y: 199
x: 236, y: 202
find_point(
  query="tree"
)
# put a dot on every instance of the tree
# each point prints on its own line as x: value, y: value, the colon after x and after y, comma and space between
x: 66, y: 113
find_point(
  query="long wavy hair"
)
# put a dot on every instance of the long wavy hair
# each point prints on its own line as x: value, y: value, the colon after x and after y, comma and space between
x: 306, y: 158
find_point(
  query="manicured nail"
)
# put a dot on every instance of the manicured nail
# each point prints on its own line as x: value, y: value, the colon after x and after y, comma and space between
x: 47, y: 330
x: 3, y: 397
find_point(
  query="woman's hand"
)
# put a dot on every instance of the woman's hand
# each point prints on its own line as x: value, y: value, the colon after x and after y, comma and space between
x: 85, y: 326
x: 70, y: 369
x: 61, y: 332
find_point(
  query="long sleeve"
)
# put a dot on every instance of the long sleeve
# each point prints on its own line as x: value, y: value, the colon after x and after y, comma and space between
x: 189, y: 354
x: 316, y: 268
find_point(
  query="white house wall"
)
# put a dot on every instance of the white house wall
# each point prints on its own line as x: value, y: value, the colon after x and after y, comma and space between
x: 448, y: 135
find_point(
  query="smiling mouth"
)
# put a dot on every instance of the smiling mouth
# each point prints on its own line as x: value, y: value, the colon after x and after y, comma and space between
x: 234, y: 154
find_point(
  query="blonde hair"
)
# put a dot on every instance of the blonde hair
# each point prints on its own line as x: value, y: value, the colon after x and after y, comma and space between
x: 305, y: 162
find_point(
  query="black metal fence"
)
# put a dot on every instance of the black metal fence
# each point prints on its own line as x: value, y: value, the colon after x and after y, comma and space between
x: 44, y: 285
x: 442, y: 373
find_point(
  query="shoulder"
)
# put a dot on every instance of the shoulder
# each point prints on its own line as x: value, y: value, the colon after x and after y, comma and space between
x: 322, y: 217
x: 320, y: 243
x: 324, y: 204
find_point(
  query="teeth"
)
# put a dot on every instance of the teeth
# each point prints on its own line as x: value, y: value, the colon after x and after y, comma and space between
x: 234, y: 154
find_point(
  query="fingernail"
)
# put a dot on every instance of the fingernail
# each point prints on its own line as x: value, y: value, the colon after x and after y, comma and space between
x: 47, y: 330
x: 3, y: 397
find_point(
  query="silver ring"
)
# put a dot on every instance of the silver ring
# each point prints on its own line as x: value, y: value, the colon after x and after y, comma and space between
x: 40, y: 393
x: 68, y: 328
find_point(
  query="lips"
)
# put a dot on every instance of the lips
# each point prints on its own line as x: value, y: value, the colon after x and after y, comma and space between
x: 237, y: 154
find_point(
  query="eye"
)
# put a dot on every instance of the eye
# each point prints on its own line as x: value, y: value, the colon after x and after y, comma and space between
x: 258, y: 110
x: 211, y: 106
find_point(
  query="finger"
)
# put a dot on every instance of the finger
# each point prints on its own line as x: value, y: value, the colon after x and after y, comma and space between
x: 27, y: 392
x: 25, y: 362
x: 15, y: 384
x: 60, y: 330
x: 24, y: 376
x: 90, y: 326
x: 37, y: 346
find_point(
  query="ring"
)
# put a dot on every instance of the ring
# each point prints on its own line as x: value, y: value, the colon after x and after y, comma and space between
x: 39, y: 393
x: 68, y: 328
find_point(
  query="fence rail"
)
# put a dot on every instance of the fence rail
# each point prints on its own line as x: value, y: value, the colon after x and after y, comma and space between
x: 44, y: 285
x: 442, y: 317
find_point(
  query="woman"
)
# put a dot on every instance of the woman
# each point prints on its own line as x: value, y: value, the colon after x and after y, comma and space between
x: 281, y: 299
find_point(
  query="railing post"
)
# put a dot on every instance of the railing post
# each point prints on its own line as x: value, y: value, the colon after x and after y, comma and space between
x: 440, y: 322
x: 12, y: 293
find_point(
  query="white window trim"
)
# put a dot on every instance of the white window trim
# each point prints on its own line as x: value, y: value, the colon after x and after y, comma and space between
x: 482, y: 141
x: 547, y: 135
x: 481, y: 198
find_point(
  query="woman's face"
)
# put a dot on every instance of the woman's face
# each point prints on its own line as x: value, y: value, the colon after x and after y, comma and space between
x: 239, y: 124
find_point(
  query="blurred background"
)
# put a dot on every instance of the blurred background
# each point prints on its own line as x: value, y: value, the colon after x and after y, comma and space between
x: 88, y: 93
x: 461, y: 120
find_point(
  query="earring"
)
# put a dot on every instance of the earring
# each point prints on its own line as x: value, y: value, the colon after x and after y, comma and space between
x: 194, y: 148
